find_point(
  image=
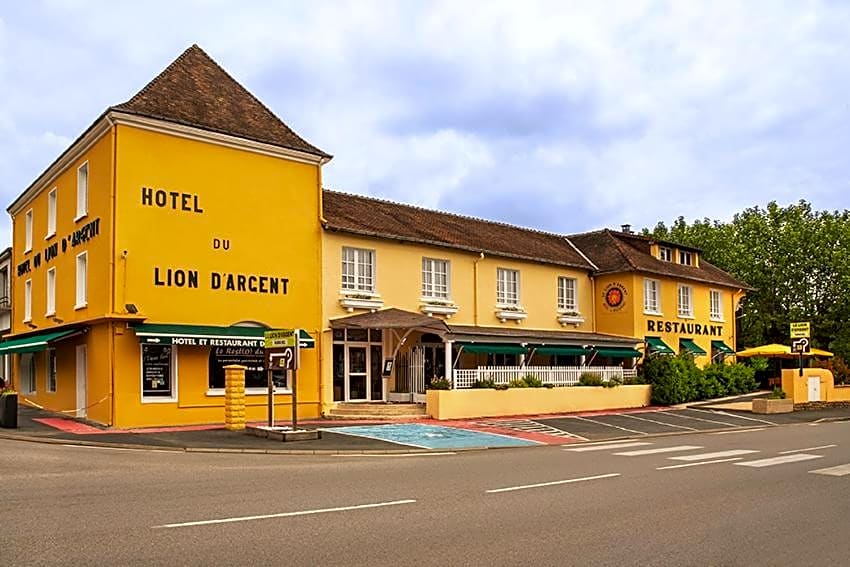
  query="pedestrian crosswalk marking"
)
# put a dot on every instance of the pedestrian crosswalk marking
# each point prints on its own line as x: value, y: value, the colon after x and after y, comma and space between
x: 641, y: 452
x: 611, y: 446
x: 698, y: 464
x: 840, y: 470
x: 784, y: 459
x: 715, y: 455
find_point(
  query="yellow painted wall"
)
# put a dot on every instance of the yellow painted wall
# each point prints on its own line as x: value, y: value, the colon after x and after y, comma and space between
x: 461, y: 404
x: 796, y: 387
x: 266, y: 208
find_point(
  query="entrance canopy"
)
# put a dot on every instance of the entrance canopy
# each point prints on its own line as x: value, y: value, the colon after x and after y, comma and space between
x: 34, y: 343
x: 204, y: 335
x: 391, y: 318
x: 774, y: 350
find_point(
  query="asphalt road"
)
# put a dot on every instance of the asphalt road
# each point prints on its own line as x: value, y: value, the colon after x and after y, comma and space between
x: 666, y: 501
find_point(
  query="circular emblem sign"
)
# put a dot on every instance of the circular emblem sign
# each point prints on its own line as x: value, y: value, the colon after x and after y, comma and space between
x: 614, y: 296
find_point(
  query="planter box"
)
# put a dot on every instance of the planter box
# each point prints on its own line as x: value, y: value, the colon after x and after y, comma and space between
x: 9, y: 411
x: 473, y: 403
x: 766, y: 405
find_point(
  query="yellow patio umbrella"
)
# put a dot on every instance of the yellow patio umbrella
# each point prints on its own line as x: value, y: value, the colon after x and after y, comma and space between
x: 775, y: 350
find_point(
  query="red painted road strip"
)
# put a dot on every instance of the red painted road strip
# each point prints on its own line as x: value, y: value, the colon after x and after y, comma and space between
x: 70, y: 426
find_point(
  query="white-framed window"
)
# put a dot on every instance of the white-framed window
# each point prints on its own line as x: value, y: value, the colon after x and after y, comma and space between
x: 665, y: 254
x: 51, y: 213
x: 567, y: 294
x: 686, y: 303
x: 27, y: 301
x: 435, y: 278
x: 28, y: 231
x: 28, y: 373
x: 651, y: 296
x: 715, y: 305
x: 51, y: 370
x: 159, y: 373
x: 82, y: 191
x: 686, y: 258
x: 82, y: 280
x: 507, y: 286
x: 358, y: 270
x: 51, y: 292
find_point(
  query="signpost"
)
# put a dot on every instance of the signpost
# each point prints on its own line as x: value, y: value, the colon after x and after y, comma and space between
x: 282, y: 353
x: 800, y: 334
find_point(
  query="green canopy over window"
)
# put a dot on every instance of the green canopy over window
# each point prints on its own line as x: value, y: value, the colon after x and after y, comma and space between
x: 618, y: 352
x: 33, y: 343
x: 659, y: 346
x: 493, y: 348
x: 691, y: 347
x: 722, y: 347
x: 561, y: 350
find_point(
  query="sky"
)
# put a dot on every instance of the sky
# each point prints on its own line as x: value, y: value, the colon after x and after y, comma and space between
x: 562, y: 116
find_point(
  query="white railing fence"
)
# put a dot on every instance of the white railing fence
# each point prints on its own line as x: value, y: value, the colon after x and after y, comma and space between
x: 555, y: 375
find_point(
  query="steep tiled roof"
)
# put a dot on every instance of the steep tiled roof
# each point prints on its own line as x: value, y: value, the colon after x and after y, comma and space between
x: 194, y: 90
x: 374, y: 217
x: 613, y: 252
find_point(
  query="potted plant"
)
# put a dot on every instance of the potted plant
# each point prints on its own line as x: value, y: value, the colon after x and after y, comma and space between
x: 775, y: 402
x: 8, y: 406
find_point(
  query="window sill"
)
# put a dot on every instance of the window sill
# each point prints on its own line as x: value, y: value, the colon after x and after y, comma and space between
x: 50, y: 314
x: 681, y: 316
x: 27, y: 250
x: 81, y: 216
x: 155, y: 400
x: 653, y: 313
x: 80, y: 306
x: 28, y: 320
x: 50, y: 235
x: 576, y: 320
x: 446, y: 309
x: 352, y: 303
x: 717, y: 320
x: 219, y: 392
x: 510, y: 314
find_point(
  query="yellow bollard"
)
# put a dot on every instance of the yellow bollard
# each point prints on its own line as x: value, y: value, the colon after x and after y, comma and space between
x: 234, y: 397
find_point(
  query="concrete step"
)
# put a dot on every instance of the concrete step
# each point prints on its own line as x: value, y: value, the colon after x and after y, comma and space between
x: 377, y: 411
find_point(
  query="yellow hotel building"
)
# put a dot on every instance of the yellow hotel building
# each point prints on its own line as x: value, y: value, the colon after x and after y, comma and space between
x: 186, y: 221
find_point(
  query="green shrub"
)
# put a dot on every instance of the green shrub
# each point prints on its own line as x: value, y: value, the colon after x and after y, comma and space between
x: 674, y: 379
x: 612, y: 382
x: 777, y: 394
x: 532, y: 381
x: 518, y: 383
x: 590, y: 379
x: 500, y: 387
x: 483, y: 384
x: 439, y: 384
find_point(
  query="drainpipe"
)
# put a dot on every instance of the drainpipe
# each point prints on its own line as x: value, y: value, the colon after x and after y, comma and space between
x: 111, y: 325
x: 475, y: 288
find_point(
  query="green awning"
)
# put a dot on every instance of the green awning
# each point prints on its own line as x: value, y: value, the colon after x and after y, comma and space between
x: 722, y: 347
x: 33, y: 343
x: 561, y: 350
x: 659, y: 346
x: 618, y: 352
x: 691, y: 347
x: 205, y: 335
x: 493, y: 348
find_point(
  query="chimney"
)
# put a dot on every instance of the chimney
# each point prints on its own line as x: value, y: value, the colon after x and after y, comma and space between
x: 626, y: 228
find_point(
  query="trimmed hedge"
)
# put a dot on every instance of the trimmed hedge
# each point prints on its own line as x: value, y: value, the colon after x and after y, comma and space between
x: 678, y: 380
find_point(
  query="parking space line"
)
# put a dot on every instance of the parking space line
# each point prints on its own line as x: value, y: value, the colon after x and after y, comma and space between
x: 736, y: 416
x: 840, y: 470
x: 682, y: 416
x: 659, y: 422
x: 750, y: 430
x: 621, y: 445
x: 641, y: 452
x: 807, y: 449
x: 732, y: 453
x: 553, y: 483
x: 699, y: 464
x: 609, y: 425
x: 797, y: 457
x: 285, y: 514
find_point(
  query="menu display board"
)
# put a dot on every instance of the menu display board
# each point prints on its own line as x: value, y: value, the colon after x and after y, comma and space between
x: 156, y: 370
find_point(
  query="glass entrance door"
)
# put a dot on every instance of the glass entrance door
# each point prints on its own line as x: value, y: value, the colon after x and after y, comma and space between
x: 358, y: 373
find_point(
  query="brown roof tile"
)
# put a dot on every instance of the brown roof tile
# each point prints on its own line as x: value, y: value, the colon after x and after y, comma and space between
x: 194, y: 90
x: 374, y: 217
x: 613, y: 252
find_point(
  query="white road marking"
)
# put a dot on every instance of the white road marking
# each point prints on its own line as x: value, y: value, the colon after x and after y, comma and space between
x: 699, y: 464
x: 621, y: 445
x: 715, y: 455
x: 807, y: 449
x: 797, y: 457
x: 390, y: 455
x: 659, y: 422
x: 840, y: 470
x: 608, y: 425
x: 554, y: 483
x: 285, y: 514
x: 744, y: 417
x: 641, y: 452
x: 739, y: 431
x: 609, y: 442
x: 681, y: 415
